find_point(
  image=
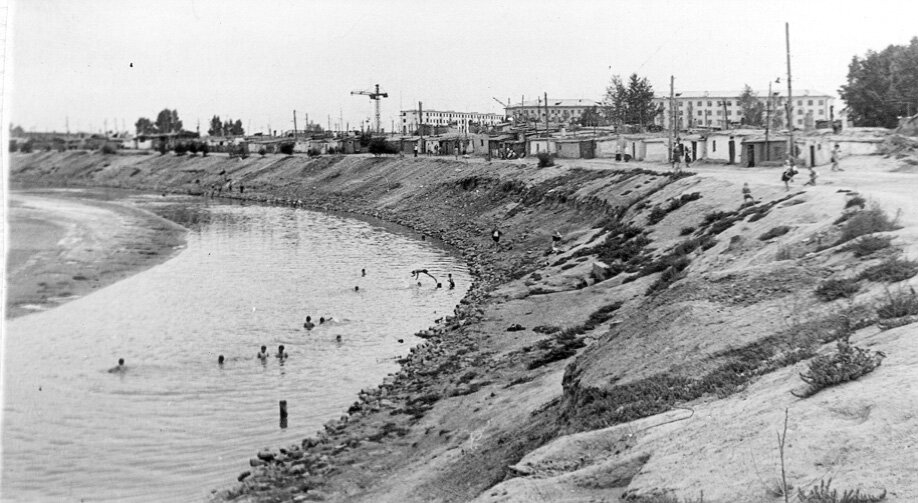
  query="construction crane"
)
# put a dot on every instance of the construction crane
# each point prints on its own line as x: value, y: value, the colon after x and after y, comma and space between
x: 375, y: 96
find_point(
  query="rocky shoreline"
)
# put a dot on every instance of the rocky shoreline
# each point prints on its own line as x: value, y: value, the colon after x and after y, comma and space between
x: 568, y: 368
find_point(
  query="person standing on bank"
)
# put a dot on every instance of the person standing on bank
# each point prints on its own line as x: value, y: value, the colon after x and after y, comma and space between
x: 835, y: 156
x: 495, y: 235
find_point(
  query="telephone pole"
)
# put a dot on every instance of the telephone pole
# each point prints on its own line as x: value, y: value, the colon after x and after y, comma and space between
x: 294, y: 126
x: 546, y: 115
x: 672, y: 115
x: 791, y: 148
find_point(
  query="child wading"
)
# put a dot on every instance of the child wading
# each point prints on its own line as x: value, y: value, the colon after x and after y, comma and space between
x: 747, y: 194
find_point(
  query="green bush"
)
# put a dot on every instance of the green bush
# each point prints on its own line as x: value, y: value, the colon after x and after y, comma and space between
x: 866, y: 222
x: 161, y: 147
x: 837, y: 289
x: 891, y: 270
x: 869, y: 244
x: 262, y: 151
x: 193, y: 148
x: 286, y: 148
x: 26, y: 148
x: 775, y: 232
x: 685, y: 231
x: 656, y: 214
x: 904, y: 302
x: 545, y: 160
x: 312, y: 152
x: 846, y: 364
x: 824, y: 494
x: 180, y: 148
x: 108, y: 148
x: 204, y: 149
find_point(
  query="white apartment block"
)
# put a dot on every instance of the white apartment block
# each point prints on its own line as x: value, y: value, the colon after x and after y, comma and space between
x: 559, y: 110
x: 410, y: 120
x: 721, y: 109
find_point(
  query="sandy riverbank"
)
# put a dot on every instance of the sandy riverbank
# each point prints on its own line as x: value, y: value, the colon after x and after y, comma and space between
x: 63, y: 245
x: 561, y: 377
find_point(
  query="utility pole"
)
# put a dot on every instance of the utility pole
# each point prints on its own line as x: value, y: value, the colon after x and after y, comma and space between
x: 421, y: 120
x: 672, y: 115
x: 294, y: 126
x: 546, y: 115
x: 767, y: 120
x: 726, y: 123
x: 791, y: 147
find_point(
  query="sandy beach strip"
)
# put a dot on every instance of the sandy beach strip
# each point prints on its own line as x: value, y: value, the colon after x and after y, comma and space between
x: 62, y: 246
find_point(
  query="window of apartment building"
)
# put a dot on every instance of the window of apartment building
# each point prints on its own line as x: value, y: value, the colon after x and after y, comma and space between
x: 820, y: 102
x: 709, y: 103
x: 809, y: 102
x: 799, y: 111
x: 799, y: 121
x: 822, y: 112
x: 699, y: 103
x: 699, y: 113
x: 799, y: 103
x: 718, y: 113
x: 729, y: 103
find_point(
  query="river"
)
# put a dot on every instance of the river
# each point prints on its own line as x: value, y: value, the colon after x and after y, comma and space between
x: 175, y: 424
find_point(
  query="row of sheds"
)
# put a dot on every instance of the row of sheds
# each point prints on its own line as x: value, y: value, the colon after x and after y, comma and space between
x: 747, y: 148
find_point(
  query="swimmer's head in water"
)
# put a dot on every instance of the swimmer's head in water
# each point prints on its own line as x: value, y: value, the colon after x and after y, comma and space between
x: 321, y: 320
x: 264, y: 348
x: 356, y: 288
x: 220, y: 359
x: 308, y: 319
x: 120, y: 361
x: 280, y: 349
x: 338, y: 337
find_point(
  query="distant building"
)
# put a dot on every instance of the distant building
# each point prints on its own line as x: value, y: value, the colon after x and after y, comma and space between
x: 560, y: 111
x: 462, y: 121
x: 721, y: 109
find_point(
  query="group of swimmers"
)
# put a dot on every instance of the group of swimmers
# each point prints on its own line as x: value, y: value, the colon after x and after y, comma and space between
x: 418, y: 272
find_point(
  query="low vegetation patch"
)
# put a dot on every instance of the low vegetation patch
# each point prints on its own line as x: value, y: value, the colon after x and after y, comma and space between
x: 775, y: 232
x: 856, y: 201
x: 903, y: 302
x: 823, y: 493
x: 847, y: 363
x: 834, y: 289
x: 865, y: 222
x: 545, y: 160
x: 868, y: 245
x: 891, y: 270
x: 566, y: 342
x: 685, y: 231
x: 659, y: 212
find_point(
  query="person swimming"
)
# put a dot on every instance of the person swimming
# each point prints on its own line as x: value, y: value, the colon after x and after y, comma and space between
x: 363, y: 272
x: 418, y: 272
x: 220, y: 360
x: 119, y: 368
x: 309, y: 325
x: 280, y: 352
x: 321, y: 320
x: 356, y: 288
x: 263, y: 355
x: 452, y: 284
x: 338, y: 338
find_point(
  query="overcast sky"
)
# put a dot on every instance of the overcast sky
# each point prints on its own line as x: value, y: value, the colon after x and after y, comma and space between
x: 118, y: 60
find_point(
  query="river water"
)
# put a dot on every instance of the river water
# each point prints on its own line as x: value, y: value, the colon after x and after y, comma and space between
x: 176, y: 425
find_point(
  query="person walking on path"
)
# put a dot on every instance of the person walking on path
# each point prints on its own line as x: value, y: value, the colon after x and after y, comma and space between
x: 788, y: 175
x: 812, y: 180
x: 835, y: 156
x: 747, y: 195
x: 678, y: 153
x: 415, y: 150
x: 688, y: 158
x: 495, y: 235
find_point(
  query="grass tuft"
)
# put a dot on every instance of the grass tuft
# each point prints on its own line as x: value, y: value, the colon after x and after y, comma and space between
x: 823, y: 493
x: 903, y: 302
x: 865, y: 222
x: 846, y: 364
x: 775, y: 232
x: 856, y: 201
x: 867, y: 245
x: 891, y: 270
x: 834, y: 289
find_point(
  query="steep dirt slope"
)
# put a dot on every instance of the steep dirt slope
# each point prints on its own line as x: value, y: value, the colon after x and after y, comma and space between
x: 664, y: 299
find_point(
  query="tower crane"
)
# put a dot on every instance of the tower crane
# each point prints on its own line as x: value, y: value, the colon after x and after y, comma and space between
x: 375, y: 96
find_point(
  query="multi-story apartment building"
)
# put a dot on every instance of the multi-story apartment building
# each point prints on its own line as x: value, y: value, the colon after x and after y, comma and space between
x: 411, y: 120
x: 563, y: 111
x: 722, y: 109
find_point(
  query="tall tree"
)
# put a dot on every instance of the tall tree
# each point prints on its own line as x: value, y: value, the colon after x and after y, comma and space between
x: 167, y: 121
x: 883, y: 85
x: 613, y: 103
x: 751, y: 106
x: 216, y: 127
x: 639, y: 100
x: 591, y: 117
x: 237, y: 128
x: 144, y: 126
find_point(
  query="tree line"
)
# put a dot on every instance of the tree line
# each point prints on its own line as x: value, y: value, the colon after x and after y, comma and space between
x: 882, y: 86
